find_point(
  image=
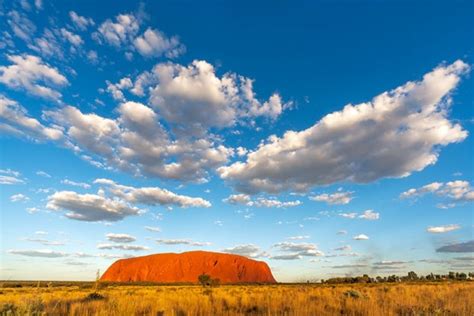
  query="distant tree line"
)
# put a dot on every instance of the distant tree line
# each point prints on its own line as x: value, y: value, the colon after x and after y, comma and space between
x: 410, y: 277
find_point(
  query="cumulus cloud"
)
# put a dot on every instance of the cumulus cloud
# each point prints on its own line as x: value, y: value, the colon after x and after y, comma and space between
x: 14, y: 119
x: 389, y: 265
x: 153, y: 229
x: 334, y: 198
x: 185, y: 95
x: 29, y: 73
x: 122, y: 247
x: 49, y: 44
x: 115, y: 89
x: 350, y: 266
x: 21, y: 26
x: 80, y: 22
x: 46, y: 242
x: 120, y: 238
x: 43, y: 253
x: 343, y: 248
x: 410, y: 124
x: 291, y: 256
x: 296, y: 250
x: 361, y: 237
x: 245, y: 199
x: 370, y: 215
x: 76, y: 184
x: 120, y: 32
x: 182, y: 242
x: 154, y: 43
x: 19, y: 198
x: 300, y: 237
x: 8, y: 176
x: 443, y: 229
x: 246, y: 250
x: 467, y: 246
x: 237, y: 199
x: 137, y: 143
x: 458, y: 191
x: 72, y: 38
x: 90, y: 207
x: 348, y: 215
x: 151, y: 195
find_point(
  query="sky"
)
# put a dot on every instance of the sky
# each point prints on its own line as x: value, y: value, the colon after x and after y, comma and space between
x: 326, y: 138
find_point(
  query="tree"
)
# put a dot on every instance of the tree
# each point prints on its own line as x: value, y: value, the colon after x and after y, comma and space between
x: 412, y: 276
x: 204, y: 279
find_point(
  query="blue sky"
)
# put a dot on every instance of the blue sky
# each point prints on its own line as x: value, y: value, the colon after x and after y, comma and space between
x: 323, y: 137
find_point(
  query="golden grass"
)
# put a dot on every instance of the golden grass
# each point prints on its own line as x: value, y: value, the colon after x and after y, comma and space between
x: 442, y: 298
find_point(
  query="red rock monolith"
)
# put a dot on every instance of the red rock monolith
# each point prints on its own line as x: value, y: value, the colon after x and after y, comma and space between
x: 187, y: 266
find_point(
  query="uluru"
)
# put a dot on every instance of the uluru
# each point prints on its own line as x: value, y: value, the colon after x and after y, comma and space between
x: 186, y: 267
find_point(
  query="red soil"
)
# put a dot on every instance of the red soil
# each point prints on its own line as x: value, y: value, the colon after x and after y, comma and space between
x: 187, y: 266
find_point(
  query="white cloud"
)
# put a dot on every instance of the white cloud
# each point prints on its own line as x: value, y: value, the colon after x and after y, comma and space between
x: 361, y: 237
x: 120, y: 32
x: 348, y: 215
x: 136, y: 142
x: 151, y: 195
x: 458, y: 191
x: 389, y: 264
x: 90, y: 207
x: 342, y: 232
x: 245, y: 199
x: 116, y: 89
x: 76, y: 184
x: 21, y: 26
x: 337, y: 198
x: 46, y: 242
x: 122, y: 247
x: 443, y: 229
x: 185, y: 95
x: 241, y: 151
x: 246, y: 250
x: 49, y: 44
x: 15, y: 120
x: 43, y: 253
x: 19, y: 198
x: 298, y: 250
x: 93, y: 57
x: 42, y: 173
x: 32, y: 210
x: 273, y: 202
x: 8, y: 176
x: 82, y: 23
x: 410, y: 123
x: 343, y: 248
x: 237, y: 199
x: 29, y: 73
x: 39, y: 4
x: 300, y: 237
x: 72, y: 38
x: 370, y: 215
x: 120, y: 238
x: 153, y: 229
x: 432, y: 187
x: 182, y: 242
x: 154, y: 43
x: 291, y: 256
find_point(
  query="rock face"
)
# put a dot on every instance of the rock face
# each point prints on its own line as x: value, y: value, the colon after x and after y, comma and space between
x: 187, y: 266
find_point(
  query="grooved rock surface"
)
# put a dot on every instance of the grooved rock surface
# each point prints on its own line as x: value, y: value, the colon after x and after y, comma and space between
x: 187, y: 266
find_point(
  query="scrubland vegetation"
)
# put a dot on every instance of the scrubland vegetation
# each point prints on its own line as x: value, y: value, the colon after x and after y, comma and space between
x: 81, y: 298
